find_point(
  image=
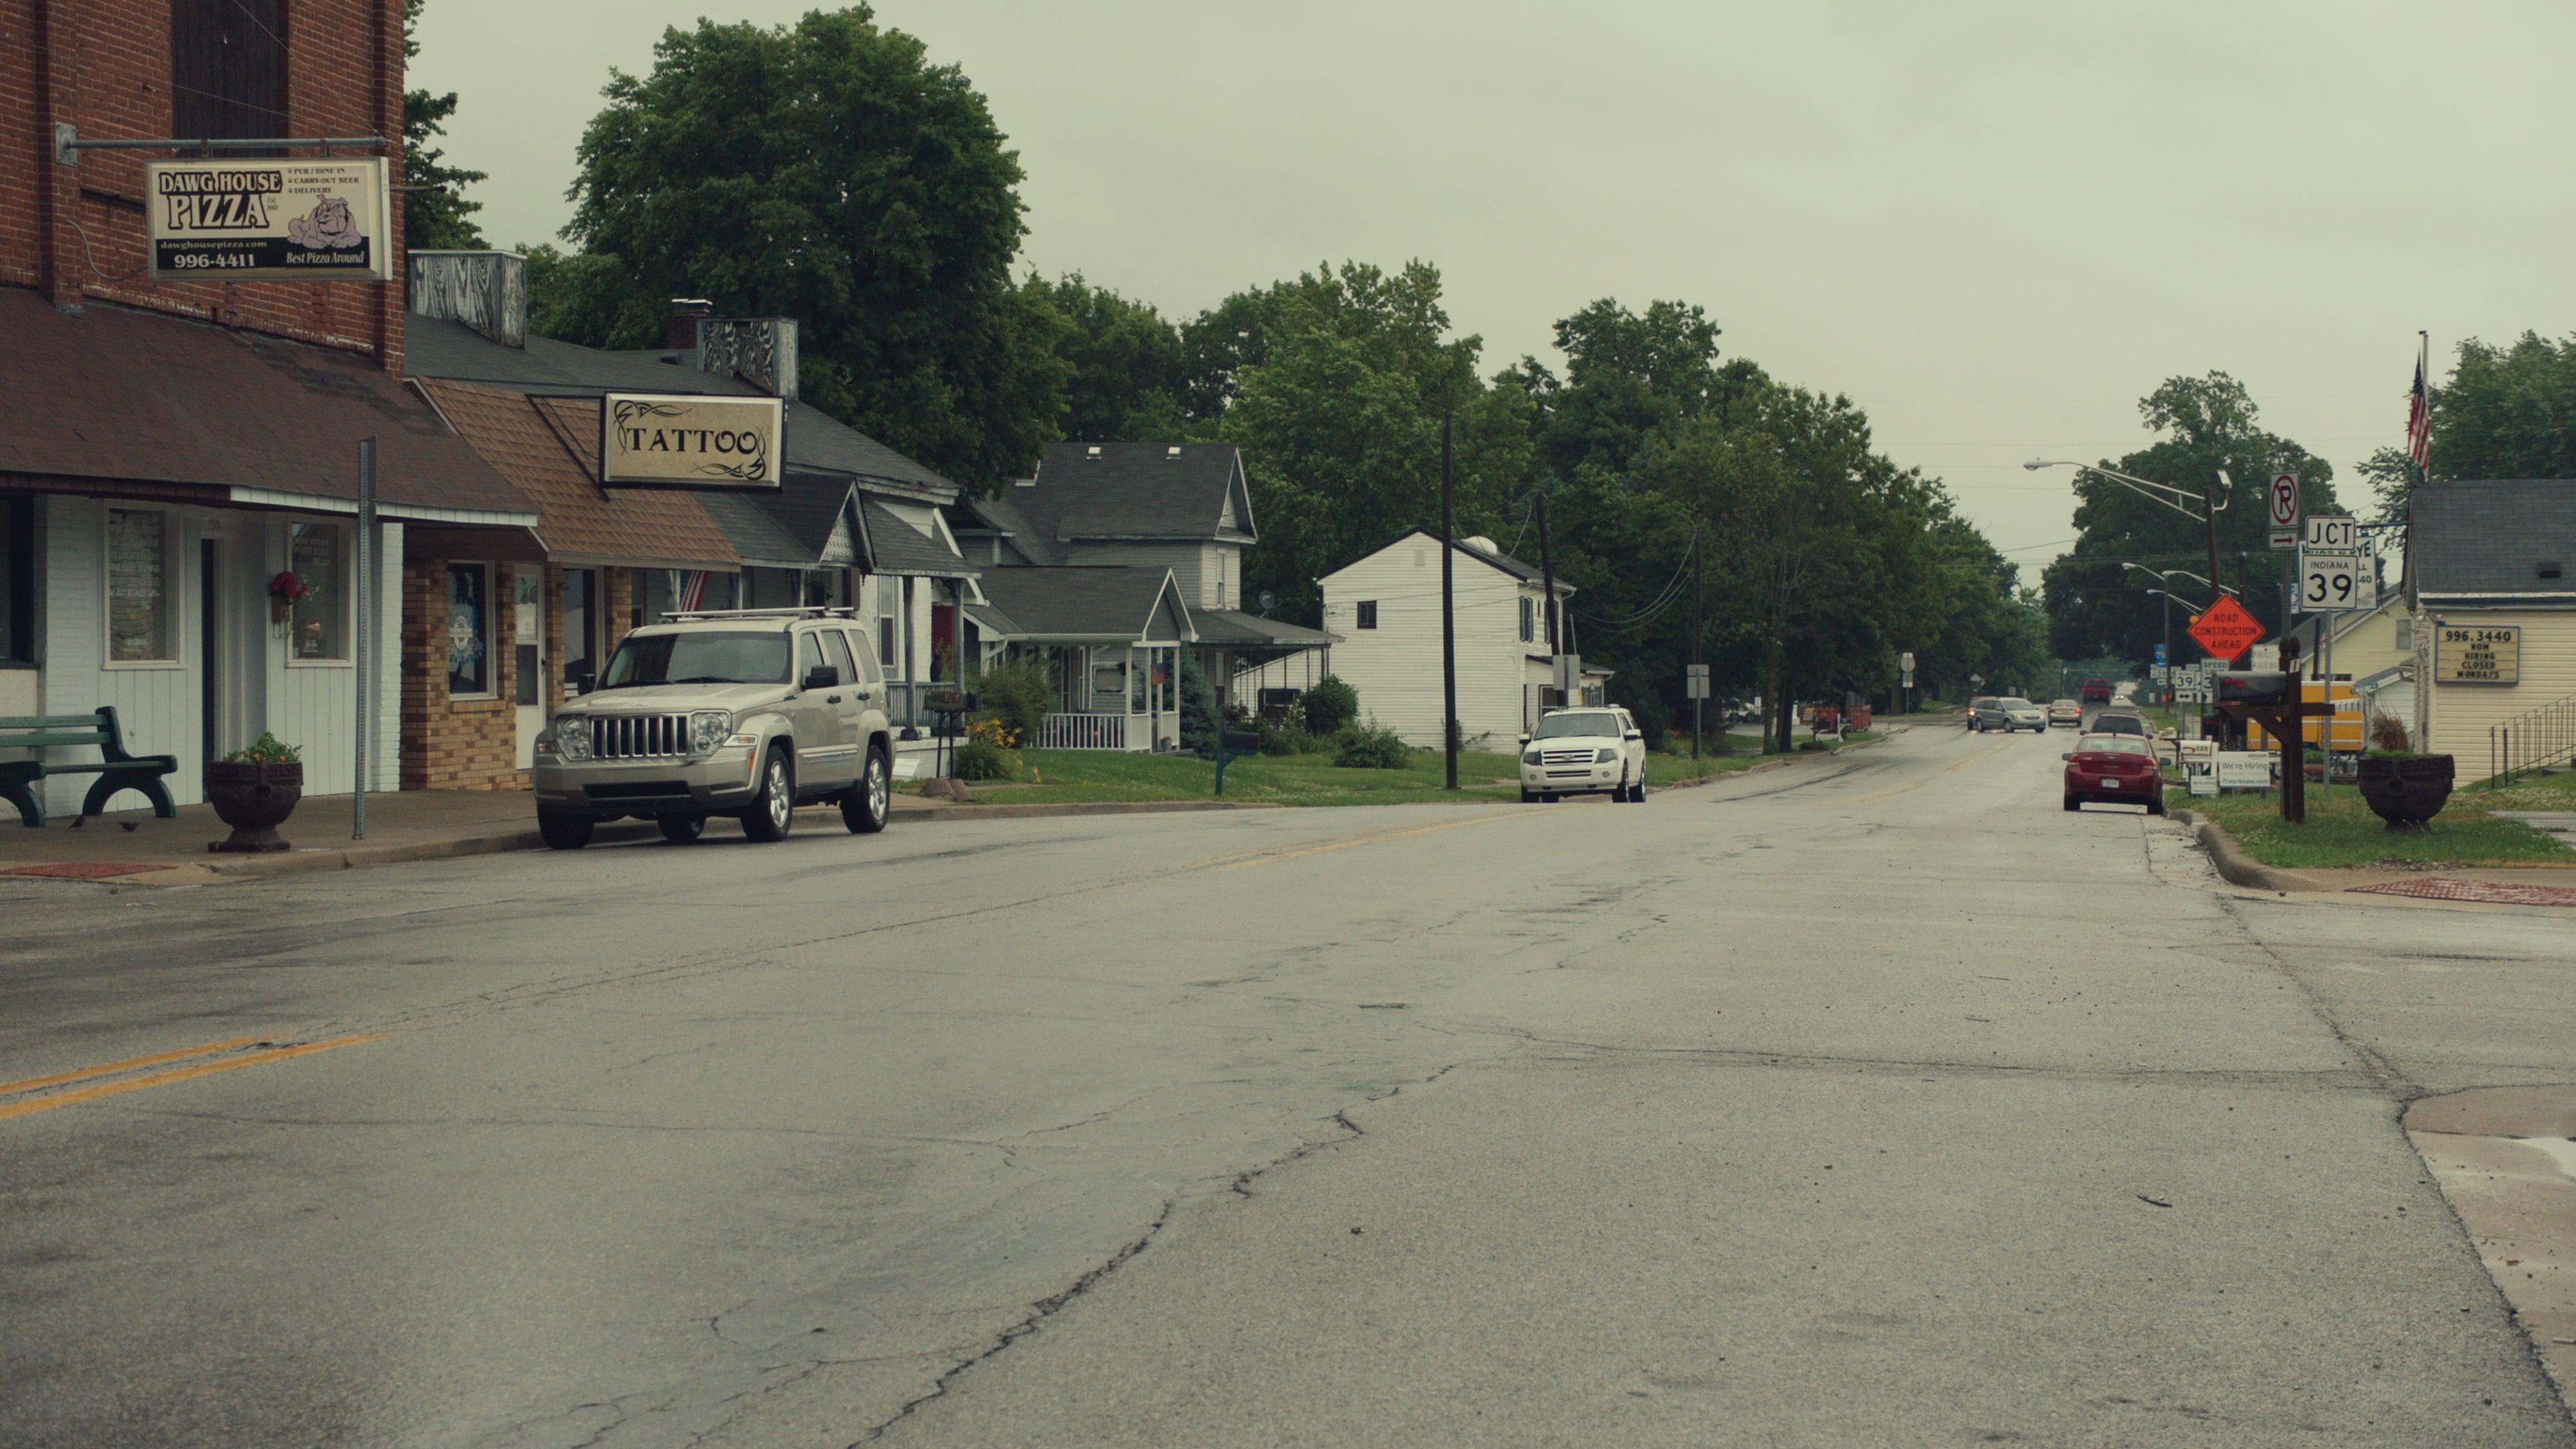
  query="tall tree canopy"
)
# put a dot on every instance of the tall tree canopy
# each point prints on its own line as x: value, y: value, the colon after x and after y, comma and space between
x: 2208, y: 424
x: 439, y: 219
x: 830, y: 172
x: 2504, y: 412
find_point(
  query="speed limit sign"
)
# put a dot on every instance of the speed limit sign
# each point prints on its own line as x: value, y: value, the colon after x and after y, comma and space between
x: 2334, y: 580
x: 2283, y: 498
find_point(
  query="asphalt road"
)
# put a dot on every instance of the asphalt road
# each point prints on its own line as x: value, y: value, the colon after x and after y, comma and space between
x: 1871, y: 1101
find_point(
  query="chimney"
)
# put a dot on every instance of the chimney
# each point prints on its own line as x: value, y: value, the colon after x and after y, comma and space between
x: 682, y: 332
x: 759, y: 350
x: 487, y: 291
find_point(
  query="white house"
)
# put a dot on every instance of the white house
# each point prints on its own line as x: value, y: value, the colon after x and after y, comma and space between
x: 2494, y: 634
x: 1385, y: 606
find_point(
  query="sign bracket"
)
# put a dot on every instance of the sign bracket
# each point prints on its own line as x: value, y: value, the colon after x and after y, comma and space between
x: 68, y: 143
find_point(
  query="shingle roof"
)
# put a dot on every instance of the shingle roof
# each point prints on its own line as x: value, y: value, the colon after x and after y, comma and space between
x: 442, y: 347
x: 896, y: 547
x: 1235, y: 627
x: 753, y: 533
x: 2493, y: 536
x: 1078, y: 601
x: 1000, y: 512
x: 809, y: 510
x: 548, y: 448
x: 1131, y: 490
x: 108, y: 393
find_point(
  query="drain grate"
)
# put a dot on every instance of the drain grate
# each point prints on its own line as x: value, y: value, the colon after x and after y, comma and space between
x: 2490, y: 892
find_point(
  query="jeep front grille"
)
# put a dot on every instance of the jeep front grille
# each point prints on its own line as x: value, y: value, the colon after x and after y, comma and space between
x: 639, y: 736
x: 1566, y: 757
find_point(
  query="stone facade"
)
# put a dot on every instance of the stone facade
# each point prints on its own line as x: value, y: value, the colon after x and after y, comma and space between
x: 447, y: 743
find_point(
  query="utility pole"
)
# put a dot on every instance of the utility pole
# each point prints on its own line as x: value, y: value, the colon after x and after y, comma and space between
x: 1547, y: 586
x: 1448, y: 612
x: 1699, y: 633
x: 363, y: 654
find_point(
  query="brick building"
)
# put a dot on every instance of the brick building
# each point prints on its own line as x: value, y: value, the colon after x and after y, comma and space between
x: 173, y: 446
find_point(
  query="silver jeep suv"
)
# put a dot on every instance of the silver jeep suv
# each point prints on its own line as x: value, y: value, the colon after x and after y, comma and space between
x: 741, y: 712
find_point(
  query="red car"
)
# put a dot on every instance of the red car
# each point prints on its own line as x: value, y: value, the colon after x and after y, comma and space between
x: 2116, y: 770
x: 2097, y: 691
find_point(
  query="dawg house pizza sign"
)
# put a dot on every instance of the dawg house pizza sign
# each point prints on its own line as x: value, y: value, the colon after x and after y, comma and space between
x: 321, y: 220
x: 689, y: 440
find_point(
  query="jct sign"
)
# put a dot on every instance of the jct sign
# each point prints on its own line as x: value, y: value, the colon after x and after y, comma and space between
x: 269, y: 220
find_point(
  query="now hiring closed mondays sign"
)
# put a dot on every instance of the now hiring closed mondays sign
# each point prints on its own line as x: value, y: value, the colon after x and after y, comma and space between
x: 683, y: 440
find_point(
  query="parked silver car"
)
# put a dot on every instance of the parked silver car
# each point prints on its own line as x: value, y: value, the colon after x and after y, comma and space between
x: 745, y: 712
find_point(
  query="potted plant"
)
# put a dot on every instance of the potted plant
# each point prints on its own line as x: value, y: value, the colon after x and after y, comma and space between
x: 2406, y: 790
x: 253, y: 790
x: 284, y: 588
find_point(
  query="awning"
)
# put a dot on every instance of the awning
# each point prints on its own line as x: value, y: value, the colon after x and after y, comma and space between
x: 1235, y: 629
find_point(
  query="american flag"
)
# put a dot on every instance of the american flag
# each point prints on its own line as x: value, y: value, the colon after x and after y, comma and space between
x: 2419, y: 416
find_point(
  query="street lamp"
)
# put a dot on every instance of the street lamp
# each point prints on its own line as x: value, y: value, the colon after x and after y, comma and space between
x: 2212, y: 503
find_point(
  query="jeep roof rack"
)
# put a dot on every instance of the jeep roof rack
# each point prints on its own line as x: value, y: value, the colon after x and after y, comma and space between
x: 805, y: 611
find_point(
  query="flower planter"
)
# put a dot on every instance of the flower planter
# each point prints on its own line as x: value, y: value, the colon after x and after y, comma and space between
x: 2407, y: 793
x: 254, y: 800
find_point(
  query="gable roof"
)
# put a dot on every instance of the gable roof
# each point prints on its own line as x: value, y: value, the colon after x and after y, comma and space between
x: 2490, y: 538
x: 816, y: 441
x: 548, y: 449
x: 896, y: 547
x: 1084, y: 601
x: 1497, y: 560
x: 1137, y: 490
x: 999, y: 514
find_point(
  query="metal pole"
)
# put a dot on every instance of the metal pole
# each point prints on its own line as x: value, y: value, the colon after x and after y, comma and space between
x: 1547, y: 581
x: 365, y: 656
x: 1448, y: 613
x: 1699, y: 602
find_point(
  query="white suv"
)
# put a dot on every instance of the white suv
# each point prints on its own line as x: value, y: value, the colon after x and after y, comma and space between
x: 1586, y: 751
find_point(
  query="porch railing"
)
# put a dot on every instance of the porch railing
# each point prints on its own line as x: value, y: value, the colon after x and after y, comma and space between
x: 1088, y: 732
x: 2532, y: 740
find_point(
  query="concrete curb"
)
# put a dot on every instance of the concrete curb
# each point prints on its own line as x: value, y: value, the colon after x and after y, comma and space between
x: 2238, y: 868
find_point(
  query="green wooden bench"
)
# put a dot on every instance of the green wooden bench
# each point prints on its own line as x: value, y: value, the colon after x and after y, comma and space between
x: 116, y: 769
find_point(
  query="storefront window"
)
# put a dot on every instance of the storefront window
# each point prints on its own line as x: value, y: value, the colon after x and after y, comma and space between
x: 318, y: 623
x: 18, y: 581
x: 469, y: 629
x: 141, y: 592
x: 580, y: 622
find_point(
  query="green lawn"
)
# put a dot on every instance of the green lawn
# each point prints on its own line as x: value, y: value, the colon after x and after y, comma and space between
x: 1086, y: 775
x: 2341, y: 831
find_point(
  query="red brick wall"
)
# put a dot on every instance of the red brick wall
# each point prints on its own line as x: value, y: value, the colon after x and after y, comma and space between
x: 76, y: 232
x: 456, y: 744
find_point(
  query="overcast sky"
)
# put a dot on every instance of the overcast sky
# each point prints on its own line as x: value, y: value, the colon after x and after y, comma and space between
x: 1994, y: 226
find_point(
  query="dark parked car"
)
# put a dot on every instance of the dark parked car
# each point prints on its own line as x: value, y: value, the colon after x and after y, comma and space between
x: 2114, y: 769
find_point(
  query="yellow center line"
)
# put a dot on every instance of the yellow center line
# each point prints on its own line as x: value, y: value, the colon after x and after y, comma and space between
x: 127, y: 1065
x: 1917, y: 784
x: 181, y: 1074
x: 1263, y: 857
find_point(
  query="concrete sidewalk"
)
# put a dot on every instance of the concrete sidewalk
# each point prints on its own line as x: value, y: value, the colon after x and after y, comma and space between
x: 132, y: 847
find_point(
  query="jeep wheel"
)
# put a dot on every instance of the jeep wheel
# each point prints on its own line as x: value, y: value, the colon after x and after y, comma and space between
x: 870, y: 802
x: 681, y: 829
x: 773, y: 810
x: 564, y: 830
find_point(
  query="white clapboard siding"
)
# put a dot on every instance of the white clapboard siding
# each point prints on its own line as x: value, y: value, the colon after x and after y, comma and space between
x: 2462, y: 714
x: 1395, y: 667
x: 157, y: 707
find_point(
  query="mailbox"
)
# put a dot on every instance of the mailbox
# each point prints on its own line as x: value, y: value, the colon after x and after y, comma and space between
x: 2252, y: 687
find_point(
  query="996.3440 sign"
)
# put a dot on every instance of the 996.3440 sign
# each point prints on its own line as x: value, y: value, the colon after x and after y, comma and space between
x: 249, y: 219
x: 2473, y: 655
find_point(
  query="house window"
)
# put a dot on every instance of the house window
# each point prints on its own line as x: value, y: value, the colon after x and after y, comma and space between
x: 2406, y: 634
x: 1368, y: 613
x: 1529, y: 620
x: 18, y: 581
x: 142, y: 588
x: 469, y: 631
x: 318, y: 623
x: 228, y: 69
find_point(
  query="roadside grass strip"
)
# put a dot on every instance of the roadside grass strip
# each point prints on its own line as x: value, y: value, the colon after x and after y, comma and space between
x: 107, y: 1079
x: 2341, y: 831
x: 1484, y: 776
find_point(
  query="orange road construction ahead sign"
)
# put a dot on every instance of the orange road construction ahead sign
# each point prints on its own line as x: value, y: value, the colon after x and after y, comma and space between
x: 2226, y: 630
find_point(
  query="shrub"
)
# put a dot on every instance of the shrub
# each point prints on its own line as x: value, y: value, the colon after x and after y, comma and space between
x: 1200, y: 724
x: 976, y: 759
x: 1371, y: 747
x: 1278, y: 739
x: 1330, y: 706
x: 268, y: 749
x: 1017, y: 695
x: 2388, y: 735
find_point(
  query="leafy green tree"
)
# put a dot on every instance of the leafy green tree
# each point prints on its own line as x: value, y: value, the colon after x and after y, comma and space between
x: 2508, y: 412
x: 1125, y: 376
x: 1200, y: 722
x: 432, y: 220
x: 830, y: 172
x: 2208, y: 424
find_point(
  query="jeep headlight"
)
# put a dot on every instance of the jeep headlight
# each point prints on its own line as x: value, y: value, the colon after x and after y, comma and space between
x: 1605, y: 757
x: 572, y: 736
x: 1530, y: 759
x: 708, y: 730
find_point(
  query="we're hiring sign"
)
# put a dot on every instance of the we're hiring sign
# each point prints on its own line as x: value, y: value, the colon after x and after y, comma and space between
x: 684, y: 440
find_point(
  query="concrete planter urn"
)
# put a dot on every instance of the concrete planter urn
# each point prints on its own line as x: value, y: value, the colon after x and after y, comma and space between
x: 2407, y: 793
x: 254, y: 799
